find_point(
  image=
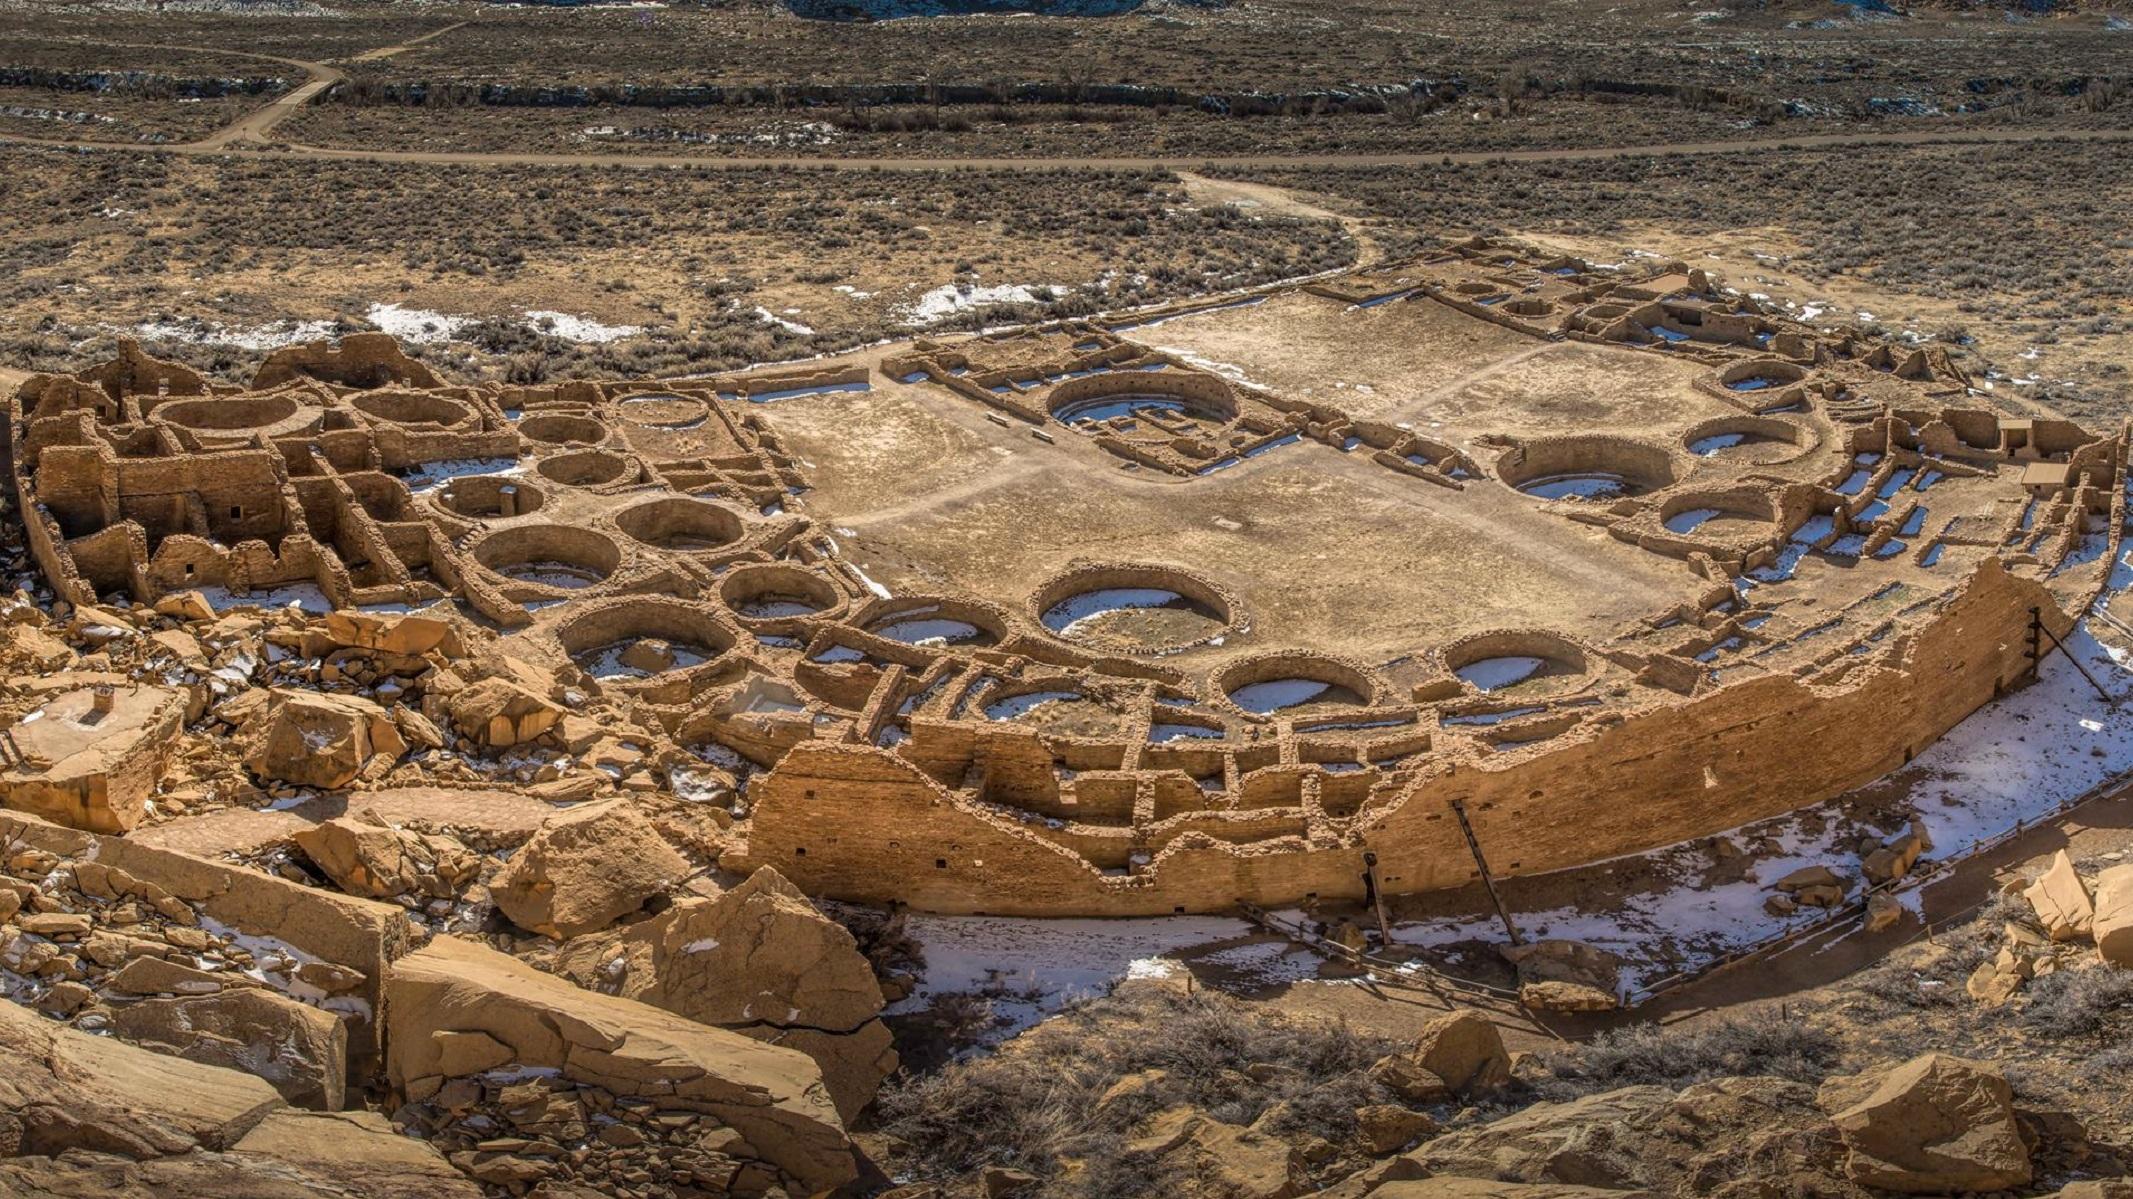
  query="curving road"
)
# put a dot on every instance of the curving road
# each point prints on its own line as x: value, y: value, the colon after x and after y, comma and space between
x: 244, y: 138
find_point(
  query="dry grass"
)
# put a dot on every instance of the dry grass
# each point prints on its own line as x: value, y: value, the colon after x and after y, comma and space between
x: 1035, y: 1104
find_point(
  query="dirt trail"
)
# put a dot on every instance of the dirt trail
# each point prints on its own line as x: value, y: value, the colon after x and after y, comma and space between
x: 1208, y: 192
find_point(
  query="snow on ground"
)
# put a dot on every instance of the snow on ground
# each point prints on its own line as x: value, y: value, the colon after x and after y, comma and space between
x: 417, y: 325
x: 303, y: 595
x: 413, y: 325
x: 947, y: 300
x: 583, y: 330
x: 1034, y: 967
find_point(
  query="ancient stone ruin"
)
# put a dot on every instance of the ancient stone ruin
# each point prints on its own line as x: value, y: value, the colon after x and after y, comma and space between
x: 478, y: 754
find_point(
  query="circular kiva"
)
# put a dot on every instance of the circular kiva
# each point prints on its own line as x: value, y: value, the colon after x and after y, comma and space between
x: 1720, y: 515
x: 1597, y: 467
x: 1140, y: 403
x: 1517, y: 663
x: 559, y: 429
x: 778, y: 591
x: 238, y: 417
x: 559, y: 557
x: 412, y: 408
x: 588, y: 468
x: 1129, y: 608
x: 680, y: 523
x: 935, y: 621
x: 1292, y: 683
x: 1748, y: 440
x: 1760, y: 374
x: 628, y: 642
x: 663, y: 410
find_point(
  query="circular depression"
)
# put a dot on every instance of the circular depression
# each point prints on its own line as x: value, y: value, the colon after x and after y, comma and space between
x: 587, y: 468
x: 1521, y: 662
x: 1586, y: 468
x: 1750, y: 440
x: 1133, y: 609
x: 643, y: 638
x: 679, y: 523
x: 778, y: 591
x: 558, y: 556
x: 1116, y: 400
x: 556, y: 429
x: 1295, y: 684
x: 229, y: 415
x: 929, y: 620
x: 663, y: 410
x: 411, y: 408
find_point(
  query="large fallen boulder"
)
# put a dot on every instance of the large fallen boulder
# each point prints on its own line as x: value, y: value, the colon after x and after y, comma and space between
x: 300, y: 1050
x: 760, y: 960
x: 311, y: 739
x: 1226, y: 1161
x: 62, y: 1089
x: 1448, y: 1187
x: 402, y: 635
x: 1459, y: 1053
x: 2061, y: 901
x: 1560, y: 975
x: 498, y: 713
x: 1936, y: 1125
x: 457, y: 1006
x: 376, y: 861
x: 2113, y: 923
x: 585, y: 869
x: 88, y: 1117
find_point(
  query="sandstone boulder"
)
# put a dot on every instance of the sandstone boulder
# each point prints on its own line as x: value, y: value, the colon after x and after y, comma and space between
x: 311, y: 739
x: 379, y: 862
x: 1651, y: 1137
x: 498, y: 713
x: 1227, y: 1161
x: 405, y: 635
x: 1587, y: 978
x: 1388, y: 1127
x: 762, y: 960
x: 61, y: 1089
x: 772, y: 1098
x: 585, y: 869
x: 2061, y: 901
x: 1935, y: 1125
x: 301, y: 1051
x: 1464, y: 1049
x: 1882, y: 911
x: 2113, y: 923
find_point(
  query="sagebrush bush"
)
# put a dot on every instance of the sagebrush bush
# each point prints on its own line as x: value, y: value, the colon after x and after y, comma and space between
x: 1036, y: 1103
x: 1681, y: 1057
x: 2088, y: 1003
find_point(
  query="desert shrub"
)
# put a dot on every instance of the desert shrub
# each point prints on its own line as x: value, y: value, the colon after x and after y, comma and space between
x: 2080, y: 1003
x: 1680, y: 1057
x: 1036, y: 1103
